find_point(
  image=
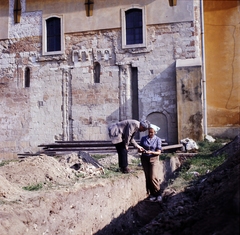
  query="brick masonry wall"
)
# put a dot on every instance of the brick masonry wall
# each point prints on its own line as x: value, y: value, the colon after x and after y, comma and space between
x: 64, y: 103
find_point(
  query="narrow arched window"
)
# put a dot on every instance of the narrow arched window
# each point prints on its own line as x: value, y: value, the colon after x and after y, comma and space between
x: 96, y: 71
x: 53, y: 34
x: 27, y: 77
x: 17, y: 11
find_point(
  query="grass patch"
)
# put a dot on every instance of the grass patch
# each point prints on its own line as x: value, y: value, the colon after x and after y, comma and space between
x: 99, y: 156
x: 110, y: 172
x: 6, y: 162
x: 199, y: 165
x: 34, y: 187
x: 165, y: 156
x: 206, y: 147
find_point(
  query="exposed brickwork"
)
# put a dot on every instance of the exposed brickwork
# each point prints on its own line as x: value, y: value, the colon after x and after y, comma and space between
x: 63, y: 102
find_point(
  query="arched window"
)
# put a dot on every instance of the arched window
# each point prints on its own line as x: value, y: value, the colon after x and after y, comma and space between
x: 27, y: 77
x: 96, y: 72
x: 53, y: 42
x: 53, y: 34
x: 133, y: 27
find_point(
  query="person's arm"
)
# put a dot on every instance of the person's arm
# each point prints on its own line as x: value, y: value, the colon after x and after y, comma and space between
x: 156, y: 152
x: 129, y: 133
x: 141, y: 149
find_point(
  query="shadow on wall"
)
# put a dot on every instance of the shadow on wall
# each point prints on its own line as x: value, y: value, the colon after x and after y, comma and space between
x: 133, y: 219
x: 157, y: 101
x: 161, y: 121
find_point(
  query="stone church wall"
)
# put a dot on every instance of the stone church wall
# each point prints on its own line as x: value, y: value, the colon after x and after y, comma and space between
x: 64, y: 103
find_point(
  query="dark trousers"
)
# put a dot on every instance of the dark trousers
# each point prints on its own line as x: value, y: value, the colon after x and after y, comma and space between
x: 151, y: 171
x: 122, y: 154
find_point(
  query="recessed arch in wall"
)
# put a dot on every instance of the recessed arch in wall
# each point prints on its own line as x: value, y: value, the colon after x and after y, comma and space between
x: 159, y: 119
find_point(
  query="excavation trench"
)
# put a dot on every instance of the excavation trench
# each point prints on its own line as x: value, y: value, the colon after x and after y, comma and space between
x: 102, y: 206
x: 116, y: 205
x: 139, y: 211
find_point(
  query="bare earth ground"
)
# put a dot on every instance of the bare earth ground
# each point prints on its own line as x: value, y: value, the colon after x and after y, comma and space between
x: 209, y: 207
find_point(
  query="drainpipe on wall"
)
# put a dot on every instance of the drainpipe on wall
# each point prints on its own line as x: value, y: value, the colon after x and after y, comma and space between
x: 203, y: 70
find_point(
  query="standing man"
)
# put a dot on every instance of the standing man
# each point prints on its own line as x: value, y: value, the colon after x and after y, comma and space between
x: 122, y: 134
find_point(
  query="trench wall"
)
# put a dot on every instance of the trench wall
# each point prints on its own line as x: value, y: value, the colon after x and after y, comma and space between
x: 80, y: 210
x: 85, y: 208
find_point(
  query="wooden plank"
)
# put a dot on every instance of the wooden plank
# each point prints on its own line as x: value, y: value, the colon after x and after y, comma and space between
x: 175, y: 146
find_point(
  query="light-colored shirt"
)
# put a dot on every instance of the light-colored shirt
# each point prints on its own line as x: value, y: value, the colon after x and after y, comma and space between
x: 124, y: 131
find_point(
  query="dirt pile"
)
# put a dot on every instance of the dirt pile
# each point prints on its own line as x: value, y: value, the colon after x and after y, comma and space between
x: 65, y: 206
x: 44, y: 170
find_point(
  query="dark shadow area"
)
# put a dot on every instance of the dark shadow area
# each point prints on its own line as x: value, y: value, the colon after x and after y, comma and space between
x: 164, y: 86
x: 208, y: 205
x: 133, y: 219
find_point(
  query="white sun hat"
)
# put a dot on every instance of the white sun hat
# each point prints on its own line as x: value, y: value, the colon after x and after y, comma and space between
x: 154, y: 127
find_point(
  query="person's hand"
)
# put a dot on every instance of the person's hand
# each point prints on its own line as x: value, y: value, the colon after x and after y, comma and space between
x: 141, y: 149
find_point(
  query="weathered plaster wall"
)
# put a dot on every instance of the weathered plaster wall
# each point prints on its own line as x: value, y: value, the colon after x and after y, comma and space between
x: 4, y: 13
x: 222, y: 40
x: 106, y: 14
x: 189, y: 99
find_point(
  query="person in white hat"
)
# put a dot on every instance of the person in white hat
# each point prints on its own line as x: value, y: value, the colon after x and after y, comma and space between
x: 122, y: 134
x: 152, y: 145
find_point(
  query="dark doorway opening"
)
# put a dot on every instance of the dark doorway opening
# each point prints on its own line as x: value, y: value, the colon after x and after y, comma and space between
x: 135, y: 104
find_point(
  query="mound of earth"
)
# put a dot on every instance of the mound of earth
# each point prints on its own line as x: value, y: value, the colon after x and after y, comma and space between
x: 210, y: 206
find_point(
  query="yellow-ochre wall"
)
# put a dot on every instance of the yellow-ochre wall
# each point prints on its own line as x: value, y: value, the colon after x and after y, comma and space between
x: 4, y: 15
x: 222, y: 57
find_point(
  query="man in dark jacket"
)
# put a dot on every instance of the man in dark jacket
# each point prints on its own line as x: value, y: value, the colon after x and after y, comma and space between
x: 122, y: 134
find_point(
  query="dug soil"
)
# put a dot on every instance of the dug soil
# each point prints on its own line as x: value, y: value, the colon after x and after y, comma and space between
x: 75, y: 197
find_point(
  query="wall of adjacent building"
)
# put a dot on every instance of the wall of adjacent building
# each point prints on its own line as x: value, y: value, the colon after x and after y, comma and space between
x: 222, y: 43
x: 189, y: 99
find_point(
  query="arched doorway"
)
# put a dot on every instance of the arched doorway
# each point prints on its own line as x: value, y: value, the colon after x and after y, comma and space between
x: 160, y: 120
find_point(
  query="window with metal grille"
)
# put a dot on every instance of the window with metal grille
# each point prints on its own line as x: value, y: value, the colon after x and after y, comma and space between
x: 53, y: 26
x: 134, y: 27
x: 133, y: 24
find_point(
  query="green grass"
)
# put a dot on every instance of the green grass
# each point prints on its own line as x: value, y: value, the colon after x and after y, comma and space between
x: 165, y: 156
x: 206, y: 147
x: 200, y: 165
x: 197, y: 166
x: 99, y: 156
x: 6, y: 162
x: 34, y: 187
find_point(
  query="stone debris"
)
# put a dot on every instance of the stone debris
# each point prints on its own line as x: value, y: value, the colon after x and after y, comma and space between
x: 189, y: 144
x: 82, y: 163
x: 209, y: 138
